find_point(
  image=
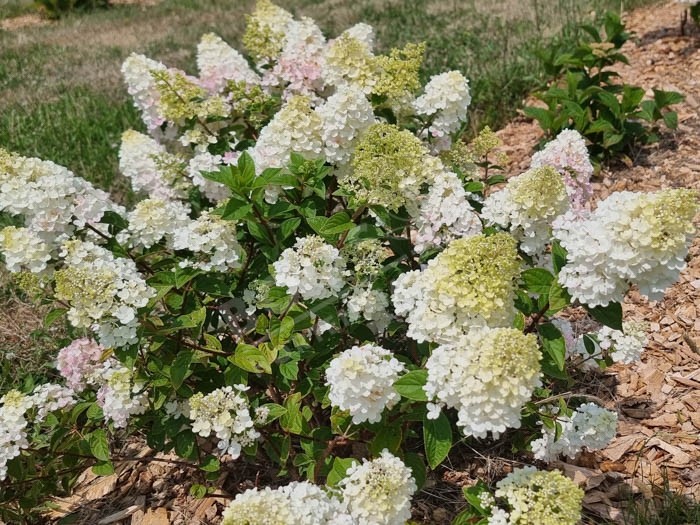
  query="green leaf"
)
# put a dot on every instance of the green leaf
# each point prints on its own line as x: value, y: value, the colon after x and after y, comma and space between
x: 180, y: 367
x: 537, y: 280
x: 54, y: 315
x: 185, y: 275
x: 559, y: 298
x: 292, y: 420
x: 417, y: 466
x: 410, y: 385
x: 558, y: 256
x: 103, y: 468
x: 246, y: 169
x: 339, y: 468
x: 437, y: 438
x: 288, y: 227
x: 610, y: 315
x: 251, y: 359
x: 275, y: 411
x: 666, y: 98
x: 671, y: 119
x: 211, y: 464
x: 99, y: 446
x: 543, y: 116
x: 198, y: 491
x: 186, y: 444
x: 553, y: 343
x: 388, y: 437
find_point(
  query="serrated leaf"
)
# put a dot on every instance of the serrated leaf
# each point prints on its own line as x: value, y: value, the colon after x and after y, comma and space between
x: 53, y: 316
x: 251, y: 359
x: 99, y: 445
x: 339, y: 468
x: 411, y: 385
x: 537, y: 280
x: 292, y: 420
x: 210, y: 464
x: 437, y: 439
x: 180, y: 367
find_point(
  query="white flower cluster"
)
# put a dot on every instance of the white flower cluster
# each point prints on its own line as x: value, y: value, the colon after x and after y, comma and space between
x: 361, y: 381
x: 445, y: 214
x: 218, y: 63
x: 214, y: 242
x: 226, y: 414
x: 624, y: 346
x: 470, y: 284
x: 99, y: 287
x: 590, y: 426
x: 379, y: 492
x: 153, y: 220
x: 51, y: 199
x: 296, y: 128
x: 141, y: 85
x: 349, y: 59
x: 527, y: 206
x: 487, y: 377
x: 568, y: 154
x: 537, y: 497
x: 344, y: 116
x: 370, y: 305
x: 119, y: 395
x: 299, y: 65
x: 24, y: 249
x: 313, y: 269
x: 13, y: 427
x: 150, y: 168
x: 631, y: 238
x: 14, y: 417
x: 445, y: 102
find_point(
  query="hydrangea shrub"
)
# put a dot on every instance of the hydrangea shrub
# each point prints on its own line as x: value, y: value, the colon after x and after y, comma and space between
x: 321, y: 274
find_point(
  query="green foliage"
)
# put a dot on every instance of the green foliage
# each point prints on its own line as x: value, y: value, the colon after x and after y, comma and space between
x: 588, y: 96
x: 58, y: 8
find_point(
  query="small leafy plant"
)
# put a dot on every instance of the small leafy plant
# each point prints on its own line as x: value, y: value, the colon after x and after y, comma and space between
x: 613, y: 117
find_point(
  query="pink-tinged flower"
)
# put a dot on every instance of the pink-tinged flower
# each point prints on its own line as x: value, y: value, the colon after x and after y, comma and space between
x: 78, y: 361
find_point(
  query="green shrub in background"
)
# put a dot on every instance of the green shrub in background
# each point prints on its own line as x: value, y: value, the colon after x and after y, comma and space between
x: 589, y: 97
x: 58, y: 8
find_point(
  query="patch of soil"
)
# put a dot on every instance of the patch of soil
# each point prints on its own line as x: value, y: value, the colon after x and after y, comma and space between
x: 22, y: 21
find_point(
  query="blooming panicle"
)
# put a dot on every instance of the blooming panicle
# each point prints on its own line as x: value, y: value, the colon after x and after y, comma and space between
x: 486, y: 376
x: 626, y: 345
x: 52, y: 201
x: 78, y: 362
x: 379, y: 491
x: 630, y: 239
x: 349, y: 59
x: 361, y: 381
x: 218, y: 63
x: 13, y: 427
x: 590, y: 426
x: 445, y: 214
x: 182, y: 98
x: 141, y: 85
x: 528, y: 206
x: 370, y: 305
x: 344, y: 117
x: 213, y: 241
x: 298, y: 69
x: 50, y: 397
x: 265, y: 31
x: 24, y: 250
x: 471, y: 283
x: 150, y: 168
x: 299, y: 503
x: 568, y: 154
x: 153, y: 220
x: 312, y: 268
x: 120, y: 396
x: 225, y: 413
x: 295, y: 128
x: 398, y: 75
x: 388, y: 168
x: 536, y: 497
x: 98, y: 286
x: 366, y: 257
x: 445, y: 101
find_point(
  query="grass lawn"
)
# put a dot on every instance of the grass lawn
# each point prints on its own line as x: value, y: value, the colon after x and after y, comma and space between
x: 62, y: 98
